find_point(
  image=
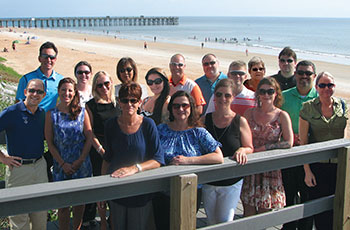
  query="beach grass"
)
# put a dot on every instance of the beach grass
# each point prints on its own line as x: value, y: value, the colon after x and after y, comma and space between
x: 7, y: 72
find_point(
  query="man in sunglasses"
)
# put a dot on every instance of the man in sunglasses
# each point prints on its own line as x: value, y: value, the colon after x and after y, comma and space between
x: 211, y: 77
x: 179, y: 81
x: 293, y: 178
x: 47, y: 58
x: 287, y: 60
x: 25, y: 165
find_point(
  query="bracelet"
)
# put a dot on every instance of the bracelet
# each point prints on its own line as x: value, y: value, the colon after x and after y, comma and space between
x: 139, y: 168
x: 99, y: 149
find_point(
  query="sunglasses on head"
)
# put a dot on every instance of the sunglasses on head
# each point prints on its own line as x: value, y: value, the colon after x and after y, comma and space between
x: 266, y: 91
x: 126, y: 69
x: 48, y: 56
x: 155, y: 81
x: 83, y: 71
x: 106, y: 83
x: 177, y: 64
x: 288, y: 60
x: 237, y: 72
x: 219, y: 94
x: 38, y: 91
x: 178, y: 106
x: 209, y: 63
x: 260, y: 69
x: 307, y: 73
x: 127, y: 100
x: 324, y: 85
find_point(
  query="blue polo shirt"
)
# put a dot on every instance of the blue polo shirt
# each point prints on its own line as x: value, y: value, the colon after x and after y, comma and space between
x: 24, y: 131
x: 207, y: 87
x: 51, y: 85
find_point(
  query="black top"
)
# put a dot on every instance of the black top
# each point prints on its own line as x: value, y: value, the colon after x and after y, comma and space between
x: 230, y: 138
x: 285, y: 83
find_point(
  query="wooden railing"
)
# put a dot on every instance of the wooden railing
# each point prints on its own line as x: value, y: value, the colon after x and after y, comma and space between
x: 182, y: 183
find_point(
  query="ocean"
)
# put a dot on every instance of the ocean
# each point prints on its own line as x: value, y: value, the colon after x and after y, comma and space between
x: 324, y: 39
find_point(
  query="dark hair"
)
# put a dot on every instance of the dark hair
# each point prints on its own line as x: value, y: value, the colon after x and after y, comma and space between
x: 272, y: 82
x: 48, y: 45
x: 288, y: 52
x: 158, y: 106
x: 323, y: 74
x: 74, y: 106
x: 122, y: 62
x: 80, y: 64
x: 306, y: 63
x: 130, y: 89
x: 207, y: 55
x: 226, y: 82
x: 193, y: 119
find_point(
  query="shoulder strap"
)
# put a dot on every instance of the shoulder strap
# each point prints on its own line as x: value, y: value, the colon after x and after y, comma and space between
x: 343, y: 105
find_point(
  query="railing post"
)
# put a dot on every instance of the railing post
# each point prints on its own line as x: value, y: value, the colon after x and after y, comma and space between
x: 183, y: 200
x: 342, y: 192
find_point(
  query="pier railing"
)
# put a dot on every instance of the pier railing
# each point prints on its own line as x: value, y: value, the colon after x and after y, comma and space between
x: 63, y: 22
x: 182, y: 182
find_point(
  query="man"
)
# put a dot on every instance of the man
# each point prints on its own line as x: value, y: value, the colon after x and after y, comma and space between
x: 24, y: 126
x: 287, y: 60
x: 293, y: 178
x: 211, y: 77
x: 178, y: 81
x: 47, y: 57
x: 244, y: 98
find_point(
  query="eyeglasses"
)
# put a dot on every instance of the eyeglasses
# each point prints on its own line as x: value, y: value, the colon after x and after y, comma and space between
x: 156, y: 81
x: 209, y: 63
x: 288, y: 60
x: 131, y: 100
x: 266, y: 91
x: 81, y: 72
x: 128, y: 69
x: 307, y: 73
x: 106, y: 84
x: 178, y: 106
x: 38, y: 91
x: 324, y: 85
x: 219, y: 94
x: 177, y: 64
x: 48, y: 56
x: 260, y: 69
x: 237, y: 72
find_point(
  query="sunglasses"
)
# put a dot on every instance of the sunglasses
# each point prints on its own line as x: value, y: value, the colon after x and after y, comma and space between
x: 209, y: 63
x: 324, y: 85
x: 260, y: 69
x: 227, y: 95
x: 178, y: 106
x: 237, y: 72
x: 106, y: 84
x: 266, y: 91
x: 126, y: 100
x: 81, y: 72
x: 156, y: 81
x: 48, y: 56
x: 177, y: 64
x: 288, y: 60
x: 127, y: 69
x: 37, y: 91
x: 307, y: 73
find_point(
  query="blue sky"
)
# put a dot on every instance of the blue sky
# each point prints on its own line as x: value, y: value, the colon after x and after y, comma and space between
x: 288, y: 8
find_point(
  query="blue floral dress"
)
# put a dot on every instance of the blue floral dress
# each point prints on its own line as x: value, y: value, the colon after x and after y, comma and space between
x: 69, y: 140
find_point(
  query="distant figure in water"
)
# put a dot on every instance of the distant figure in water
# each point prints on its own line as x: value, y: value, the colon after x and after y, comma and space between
x: 202, y: 45
x: 145, y: 45
x: 154, y: 38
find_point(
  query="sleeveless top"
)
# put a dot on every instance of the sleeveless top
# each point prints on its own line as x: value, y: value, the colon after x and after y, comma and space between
x: 229, y: 137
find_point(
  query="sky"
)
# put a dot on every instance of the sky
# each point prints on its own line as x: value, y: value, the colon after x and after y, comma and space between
x: 274, y: 8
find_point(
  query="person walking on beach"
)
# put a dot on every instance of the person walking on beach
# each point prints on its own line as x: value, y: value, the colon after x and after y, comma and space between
x: 287, y: 60
x: 211, y: 77
x: 179, y: 81
x: 25, y: 165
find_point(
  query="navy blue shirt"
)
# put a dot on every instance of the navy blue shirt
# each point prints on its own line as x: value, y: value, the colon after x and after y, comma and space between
x: 24, y: 131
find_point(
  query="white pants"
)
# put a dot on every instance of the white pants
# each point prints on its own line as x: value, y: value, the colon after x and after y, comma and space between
x: 220, y: 202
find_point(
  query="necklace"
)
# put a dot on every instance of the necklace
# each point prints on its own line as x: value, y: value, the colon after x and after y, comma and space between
x: 222, y: 134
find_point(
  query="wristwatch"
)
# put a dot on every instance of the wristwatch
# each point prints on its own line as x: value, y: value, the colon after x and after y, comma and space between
x: 139, y: 168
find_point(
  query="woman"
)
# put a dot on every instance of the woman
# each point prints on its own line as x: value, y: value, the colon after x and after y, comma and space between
x: 184, y: 142
x: 256, y: 69
x: 68, y: 135
x: 220, y: 198
x: 100, y: 109
x: 271, y: 129
x: 83, y: 72
x: 132, y: 146
x: 321, y: 119
x: 156, y: 106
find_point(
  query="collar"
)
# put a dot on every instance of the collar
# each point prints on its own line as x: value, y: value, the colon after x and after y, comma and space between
x: 53, y: 74
x: 23, y: 108
x: 182, y: 81
x: 311, y: 94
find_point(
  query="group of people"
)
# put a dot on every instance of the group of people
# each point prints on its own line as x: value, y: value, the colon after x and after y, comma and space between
x: 120, y: 130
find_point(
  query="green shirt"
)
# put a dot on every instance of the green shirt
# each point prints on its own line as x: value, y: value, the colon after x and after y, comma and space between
x: 293, y: 102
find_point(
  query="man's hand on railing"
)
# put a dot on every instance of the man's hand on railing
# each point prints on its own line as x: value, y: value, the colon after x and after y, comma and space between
x: 125, y: 171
